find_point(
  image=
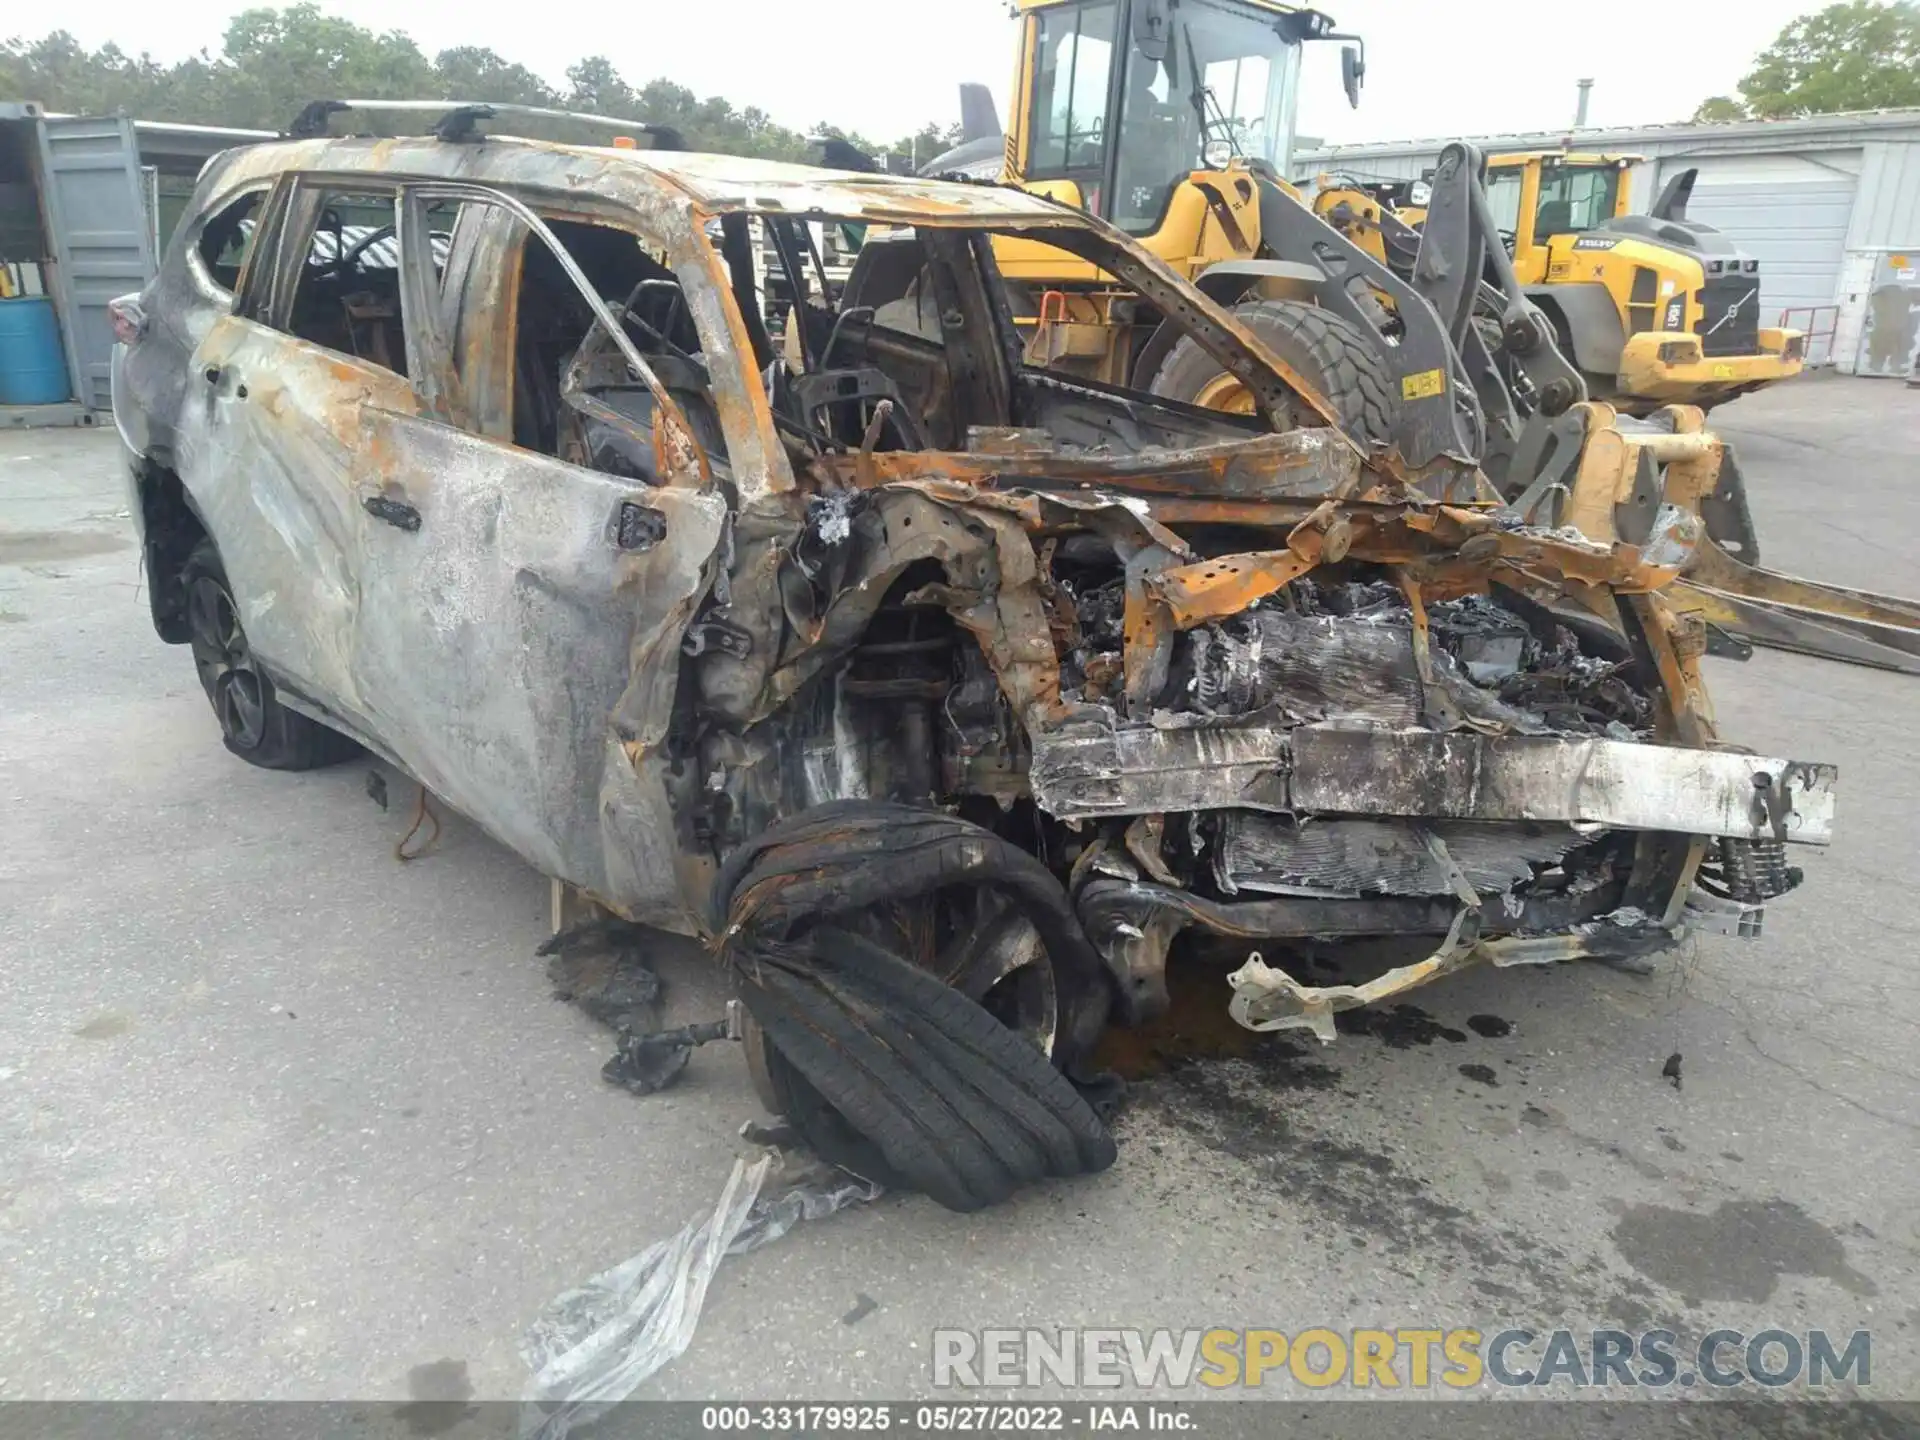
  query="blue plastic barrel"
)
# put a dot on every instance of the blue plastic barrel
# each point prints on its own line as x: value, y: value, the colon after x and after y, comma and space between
x: 33, y: 371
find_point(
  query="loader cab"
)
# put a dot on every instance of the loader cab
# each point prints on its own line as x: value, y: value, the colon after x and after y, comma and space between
x: 1118, y: 102
x: 1538, y: 199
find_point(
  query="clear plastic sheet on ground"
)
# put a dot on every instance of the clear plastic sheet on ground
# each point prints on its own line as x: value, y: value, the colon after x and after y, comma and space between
x: 595, y: 1345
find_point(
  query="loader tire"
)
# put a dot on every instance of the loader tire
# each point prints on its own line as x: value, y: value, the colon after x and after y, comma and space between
x: 1331, y: 353
x: 253, y: 722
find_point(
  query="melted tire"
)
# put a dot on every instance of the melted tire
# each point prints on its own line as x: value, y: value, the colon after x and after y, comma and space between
x: 888, y: 1073
x: 880, y: 1066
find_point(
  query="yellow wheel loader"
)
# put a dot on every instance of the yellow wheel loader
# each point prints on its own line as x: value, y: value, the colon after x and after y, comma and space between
x: 1173, y: 120
x: 1655, y: 309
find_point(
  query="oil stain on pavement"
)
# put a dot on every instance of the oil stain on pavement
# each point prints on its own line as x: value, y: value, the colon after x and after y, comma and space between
x: 1738, y: 1252
x: 440, y: 1391
x: 1255, y: 1100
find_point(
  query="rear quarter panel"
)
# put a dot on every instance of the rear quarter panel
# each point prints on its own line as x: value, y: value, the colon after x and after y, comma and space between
x: 181, y: 303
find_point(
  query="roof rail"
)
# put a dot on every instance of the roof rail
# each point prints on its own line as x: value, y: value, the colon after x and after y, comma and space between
x: 462, y: 122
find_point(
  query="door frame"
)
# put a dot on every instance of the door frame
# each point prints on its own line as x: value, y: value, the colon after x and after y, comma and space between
x: 683, y: 461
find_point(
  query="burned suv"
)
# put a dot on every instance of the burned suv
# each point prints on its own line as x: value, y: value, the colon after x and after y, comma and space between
x: 941, y: 691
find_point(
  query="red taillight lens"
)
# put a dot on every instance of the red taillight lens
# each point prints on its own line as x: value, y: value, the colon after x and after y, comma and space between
x: 129, y: 320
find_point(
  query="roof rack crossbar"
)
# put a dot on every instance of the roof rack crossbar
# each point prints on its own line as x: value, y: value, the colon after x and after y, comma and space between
x: 466, y: 122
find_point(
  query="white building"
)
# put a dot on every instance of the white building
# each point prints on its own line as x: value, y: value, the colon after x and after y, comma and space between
x: 1829, y: 205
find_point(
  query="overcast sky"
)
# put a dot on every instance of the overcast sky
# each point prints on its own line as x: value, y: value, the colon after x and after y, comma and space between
x: 884, y: 67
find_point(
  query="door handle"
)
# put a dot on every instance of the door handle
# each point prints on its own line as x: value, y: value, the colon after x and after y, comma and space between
x: 397, y: 513
x: 214, y: 374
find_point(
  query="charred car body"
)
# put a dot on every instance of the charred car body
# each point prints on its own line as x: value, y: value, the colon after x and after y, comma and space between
x: 482, y: 455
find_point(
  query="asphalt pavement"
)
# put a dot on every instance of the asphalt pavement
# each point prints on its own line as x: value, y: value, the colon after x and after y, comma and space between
x: 281, y: 1117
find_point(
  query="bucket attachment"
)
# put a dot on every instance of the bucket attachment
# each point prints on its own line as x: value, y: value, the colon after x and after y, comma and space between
x: 1783, y: 612
x: 1616, y: 478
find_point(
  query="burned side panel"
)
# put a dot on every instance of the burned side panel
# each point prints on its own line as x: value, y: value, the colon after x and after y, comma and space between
x: 268, y: 446
x: 153, y: 379
x: 497, y: 638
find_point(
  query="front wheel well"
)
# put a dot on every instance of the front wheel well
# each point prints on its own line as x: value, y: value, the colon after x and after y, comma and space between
x: 173, y: 530
x: 1586, y: 327
x: 1557, y: 318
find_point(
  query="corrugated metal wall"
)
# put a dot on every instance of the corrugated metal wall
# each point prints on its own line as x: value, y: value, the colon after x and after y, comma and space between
x: 1887, y: 211
x: 1789, y: 210
x: 1406, y: 166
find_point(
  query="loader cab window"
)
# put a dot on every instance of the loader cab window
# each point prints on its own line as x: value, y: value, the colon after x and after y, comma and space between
x: 1069, y: 123
x: 1224, y: 89
x: 1575, y: 200
x: 1503, y: 198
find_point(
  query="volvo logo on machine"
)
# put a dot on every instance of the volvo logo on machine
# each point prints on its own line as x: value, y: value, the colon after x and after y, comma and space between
x: 1739, y: 304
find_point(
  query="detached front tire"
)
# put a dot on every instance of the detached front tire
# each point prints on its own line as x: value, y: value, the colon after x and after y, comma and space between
x: 1330, y: 353
x: 253, y: 722
x: 939, y: 1068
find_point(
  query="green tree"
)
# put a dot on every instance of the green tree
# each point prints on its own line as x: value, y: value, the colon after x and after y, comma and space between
x: 63, y: 75
x: 595, y: 86
x: 1719, y: 109
x: 274, y: 61
x: 298, y: 54
x: 929, y: 141
x: 470, y: 72
x: 910, y: 152
x: 1856, y: 55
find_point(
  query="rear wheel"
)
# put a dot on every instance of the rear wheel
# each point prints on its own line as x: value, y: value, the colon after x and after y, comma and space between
x: 1330, y: 353
x: 255, y: 725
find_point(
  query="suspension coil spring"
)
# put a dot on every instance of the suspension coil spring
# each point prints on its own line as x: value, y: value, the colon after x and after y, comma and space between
x: 1755, y: 871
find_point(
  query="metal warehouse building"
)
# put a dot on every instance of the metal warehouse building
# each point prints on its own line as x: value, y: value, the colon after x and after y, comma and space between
x: 1829, y: 205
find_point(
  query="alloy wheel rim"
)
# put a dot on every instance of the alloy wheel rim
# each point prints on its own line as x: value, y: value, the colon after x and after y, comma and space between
x: 227, y: 670
x: 1227, y: 393
x: 1004, y: 967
